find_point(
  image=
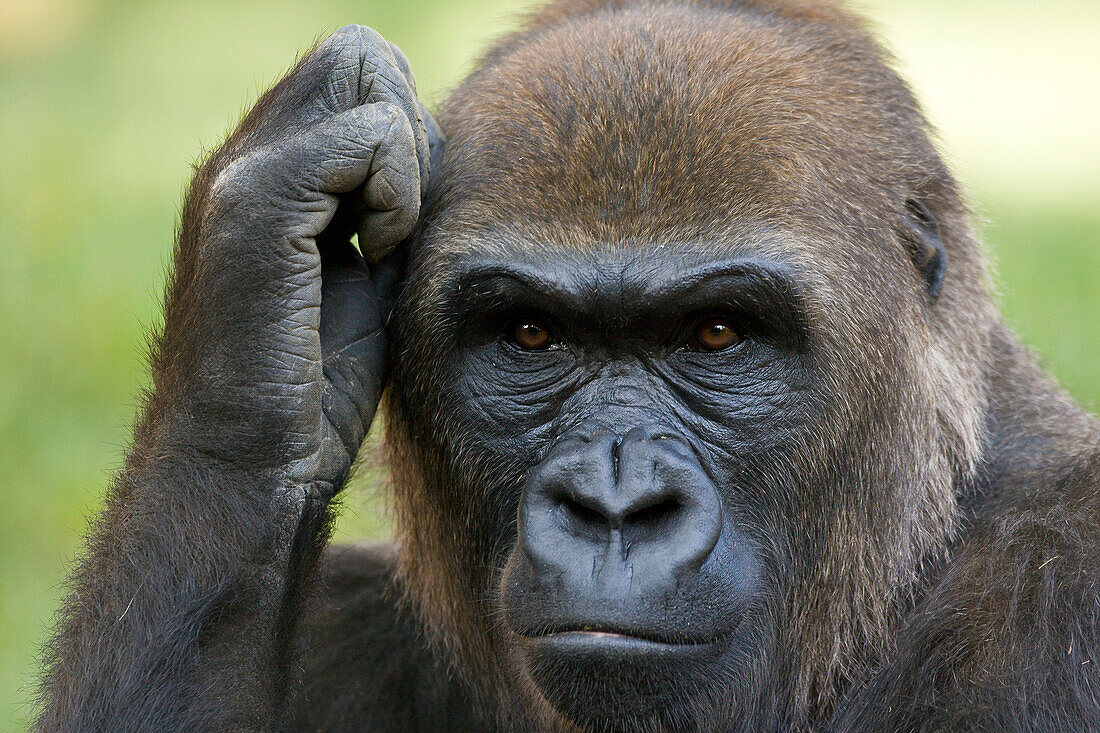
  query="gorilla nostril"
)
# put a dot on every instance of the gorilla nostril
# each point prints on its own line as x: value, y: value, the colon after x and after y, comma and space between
x: 581, y: 513
x: 656, y: 513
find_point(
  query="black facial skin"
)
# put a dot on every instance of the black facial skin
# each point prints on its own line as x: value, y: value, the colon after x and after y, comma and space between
x: 636, y: 559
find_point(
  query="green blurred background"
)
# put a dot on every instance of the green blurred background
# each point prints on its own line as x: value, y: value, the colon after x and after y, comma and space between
x: 104, y: 104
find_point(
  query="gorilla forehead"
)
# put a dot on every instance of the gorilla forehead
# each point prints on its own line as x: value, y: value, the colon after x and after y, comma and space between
x: 610, y: 120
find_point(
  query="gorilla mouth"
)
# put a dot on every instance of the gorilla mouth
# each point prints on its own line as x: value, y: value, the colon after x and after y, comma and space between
x: 595, y: 673
x: 594, y: 637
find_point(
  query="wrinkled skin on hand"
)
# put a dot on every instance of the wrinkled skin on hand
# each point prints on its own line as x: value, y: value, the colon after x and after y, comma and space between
x: 265, y: 380
x: 291, y: 323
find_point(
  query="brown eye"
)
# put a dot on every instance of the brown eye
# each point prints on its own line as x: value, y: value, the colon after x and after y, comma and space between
x: 531, y: 336
x: 715, y: 334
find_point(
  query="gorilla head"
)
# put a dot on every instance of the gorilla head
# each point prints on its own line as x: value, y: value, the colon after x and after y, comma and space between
x: 689, y: 362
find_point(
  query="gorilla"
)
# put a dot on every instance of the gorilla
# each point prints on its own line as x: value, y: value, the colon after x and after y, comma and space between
x: 698, y: 411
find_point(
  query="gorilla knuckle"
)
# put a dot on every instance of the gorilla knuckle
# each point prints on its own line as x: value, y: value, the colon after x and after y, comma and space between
x: 398, y: 128
x: 356, y: 37
x: 352, y: 43
x: 352, y: 59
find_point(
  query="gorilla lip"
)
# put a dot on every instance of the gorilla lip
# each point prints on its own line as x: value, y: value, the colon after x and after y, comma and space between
x: 595, y: 635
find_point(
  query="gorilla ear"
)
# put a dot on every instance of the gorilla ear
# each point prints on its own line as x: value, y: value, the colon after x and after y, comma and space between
x: 922, y: 234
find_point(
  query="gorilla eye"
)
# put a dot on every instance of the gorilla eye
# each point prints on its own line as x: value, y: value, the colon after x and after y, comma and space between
x: 715, y: 334
x: 530, y: 335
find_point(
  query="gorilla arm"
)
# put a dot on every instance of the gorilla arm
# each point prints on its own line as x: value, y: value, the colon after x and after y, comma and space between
x: 369, y: 667
x: 184, y: 611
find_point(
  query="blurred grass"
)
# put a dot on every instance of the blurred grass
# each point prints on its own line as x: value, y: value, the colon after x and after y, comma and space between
x: 104, y: 104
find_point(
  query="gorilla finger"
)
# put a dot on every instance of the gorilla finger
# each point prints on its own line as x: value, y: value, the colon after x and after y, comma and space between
x: 423, y: 121
x: 349, y: 304
x: 357, y: 371
x: 391, y: 193
x: 343, y: 153
x: 368, y: 69
x: 299, y: 180
x: 353, y: 348
x: 348, y: 419
x: 304, y: 176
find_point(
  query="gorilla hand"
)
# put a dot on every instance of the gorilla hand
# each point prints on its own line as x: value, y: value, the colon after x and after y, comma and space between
x: 266, y: 378
x: 275, y: 335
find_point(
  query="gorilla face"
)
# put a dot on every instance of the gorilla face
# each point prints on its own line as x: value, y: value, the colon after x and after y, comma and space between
x: 614, y: 414
x: 654, y: 462
x: 630, y: 561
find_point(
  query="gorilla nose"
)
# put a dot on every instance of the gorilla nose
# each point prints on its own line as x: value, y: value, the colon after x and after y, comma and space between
x: 611, y: 514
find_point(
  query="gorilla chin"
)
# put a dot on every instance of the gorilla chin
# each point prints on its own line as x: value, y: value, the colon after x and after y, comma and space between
x: 605, y: 680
